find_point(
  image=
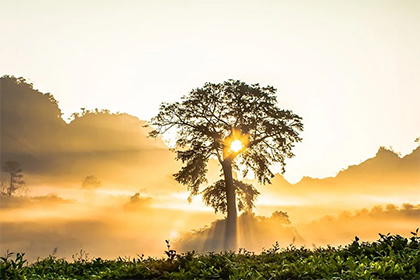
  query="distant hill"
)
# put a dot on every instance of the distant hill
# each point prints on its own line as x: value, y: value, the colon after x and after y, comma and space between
x: 113, y: 147
x: 386, y: 165
x: 385, y: 174
x: 30, y: 120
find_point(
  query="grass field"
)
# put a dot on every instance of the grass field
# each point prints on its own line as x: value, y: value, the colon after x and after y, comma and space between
x: 390, y: 257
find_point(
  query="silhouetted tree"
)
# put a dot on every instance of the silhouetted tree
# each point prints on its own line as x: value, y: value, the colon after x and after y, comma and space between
x: 91, y: 183
x: 137, y: 203
x: 211, y: 118
x: 280, y: 217
x: 12, y: 167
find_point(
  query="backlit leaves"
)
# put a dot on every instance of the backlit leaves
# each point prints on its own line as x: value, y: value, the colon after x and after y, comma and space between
x: 207, y: 116
x: 215, y: 196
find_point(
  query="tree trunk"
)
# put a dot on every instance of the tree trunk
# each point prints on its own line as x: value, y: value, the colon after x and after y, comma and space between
x: 231, y: 228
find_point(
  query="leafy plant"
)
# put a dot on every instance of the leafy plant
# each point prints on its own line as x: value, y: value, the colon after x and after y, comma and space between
x: 170, y: 253
x: 390, y: 257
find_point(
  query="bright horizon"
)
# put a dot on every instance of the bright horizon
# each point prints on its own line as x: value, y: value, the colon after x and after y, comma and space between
x: 349, y: 68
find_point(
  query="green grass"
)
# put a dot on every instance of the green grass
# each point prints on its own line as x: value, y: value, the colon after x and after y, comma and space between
x: 390, y: 257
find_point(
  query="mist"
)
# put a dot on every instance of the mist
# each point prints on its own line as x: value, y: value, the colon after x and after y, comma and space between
x: 105, y: 226
x: 109, y: 226
x: 138, y: 204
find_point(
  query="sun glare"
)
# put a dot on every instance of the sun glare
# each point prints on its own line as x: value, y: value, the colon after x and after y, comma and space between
x: 173, y: 234
x: 236, y: 146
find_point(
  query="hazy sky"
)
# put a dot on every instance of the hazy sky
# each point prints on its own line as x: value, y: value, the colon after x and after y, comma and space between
x: 349, y: 68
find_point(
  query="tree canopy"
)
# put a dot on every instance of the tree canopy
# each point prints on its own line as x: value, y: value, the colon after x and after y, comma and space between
x: 215, y: 196
x: 210, y: 118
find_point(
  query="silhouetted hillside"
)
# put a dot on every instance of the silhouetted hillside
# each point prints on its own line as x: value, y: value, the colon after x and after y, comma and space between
x: 122, y: 129
x: 385, y: 165
x: 383, y: 169
x: 386, y: 174
x: 31, y: 121
x: 411, y: 163
x: 114, y: 147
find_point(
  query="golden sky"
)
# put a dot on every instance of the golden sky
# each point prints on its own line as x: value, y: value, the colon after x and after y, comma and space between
x: 349, y: 68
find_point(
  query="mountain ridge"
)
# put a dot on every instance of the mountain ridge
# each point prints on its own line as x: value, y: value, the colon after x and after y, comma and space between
x: 106, y: 144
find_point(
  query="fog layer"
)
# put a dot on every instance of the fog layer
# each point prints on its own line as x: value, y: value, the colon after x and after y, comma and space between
x: 138, y: 205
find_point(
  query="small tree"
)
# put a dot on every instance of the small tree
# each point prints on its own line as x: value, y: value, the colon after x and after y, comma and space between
x: 12, y: 167
x: 238, y: 124
x: 280, y: 217
x: 91, y: 183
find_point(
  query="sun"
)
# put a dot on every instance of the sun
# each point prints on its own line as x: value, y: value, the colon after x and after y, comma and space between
x: 236, y: 146
x: 235, y: 143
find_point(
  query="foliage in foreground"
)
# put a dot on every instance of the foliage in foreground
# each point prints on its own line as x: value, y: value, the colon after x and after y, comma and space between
x: 390, y: 257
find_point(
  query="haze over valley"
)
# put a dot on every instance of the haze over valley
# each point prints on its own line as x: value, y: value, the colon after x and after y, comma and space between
x: 137, y: 204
